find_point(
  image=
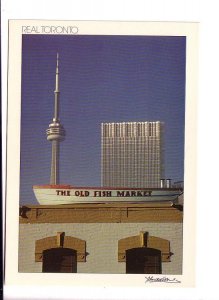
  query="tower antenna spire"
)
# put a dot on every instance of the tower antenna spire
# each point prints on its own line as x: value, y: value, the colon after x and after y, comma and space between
x: 57, y: 92
x: 55, y: 132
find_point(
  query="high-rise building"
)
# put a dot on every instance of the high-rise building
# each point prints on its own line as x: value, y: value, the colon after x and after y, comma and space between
x: 55, y: 132
x: 132, y: 154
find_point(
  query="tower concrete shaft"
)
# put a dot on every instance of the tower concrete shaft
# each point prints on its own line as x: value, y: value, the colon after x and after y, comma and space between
x: 54, y: 175
x: 55, y: 133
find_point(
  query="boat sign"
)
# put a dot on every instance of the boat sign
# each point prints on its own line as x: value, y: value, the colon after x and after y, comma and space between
x: 102, y: 193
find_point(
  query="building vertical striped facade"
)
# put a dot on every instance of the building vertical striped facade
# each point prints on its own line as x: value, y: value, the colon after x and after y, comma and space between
x: 132, y: 154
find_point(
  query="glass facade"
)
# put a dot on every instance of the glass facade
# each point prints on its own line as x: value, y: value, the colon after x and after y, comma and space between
x: 132, y: 154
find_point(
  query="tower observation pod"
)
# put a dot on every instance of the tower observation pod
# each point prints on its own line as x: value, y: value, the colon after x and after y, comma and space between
x: 55, y: 132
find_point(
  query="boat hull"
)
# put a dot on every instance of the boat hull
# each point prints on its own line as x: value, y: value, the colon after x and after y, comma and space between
x: 61, y: 194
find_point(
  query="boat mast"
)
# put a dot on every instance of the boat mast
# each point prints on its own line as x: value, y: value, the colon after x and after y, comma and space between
x: 55, y: 132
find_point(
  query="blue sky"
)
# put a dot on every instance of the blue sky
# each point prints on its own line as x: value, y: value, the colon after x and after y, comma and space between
x: 102, y: 79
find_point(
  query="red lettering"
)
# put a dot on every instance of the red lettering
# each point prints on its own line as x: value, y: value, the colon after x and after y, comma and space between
x: 106, y: 194
x: 77, y: 193
x: 139, y: 194
x: 62, y: 193
x: 97, y: 194
x: 120, y: 194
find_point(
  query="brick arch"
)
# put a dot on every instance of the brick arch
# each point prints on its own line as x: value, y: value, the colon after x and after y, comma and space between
x: 60, y: 241
x: 144, y: 240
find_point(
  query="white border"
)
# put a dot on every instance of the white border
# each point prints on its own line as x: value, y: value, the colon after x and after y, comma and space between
x: 205, y: 12
x: 13, y: 151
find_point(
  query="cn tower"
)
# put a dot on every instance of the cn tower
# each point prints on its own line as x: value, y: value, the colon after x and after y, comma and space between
x: 55, y: 132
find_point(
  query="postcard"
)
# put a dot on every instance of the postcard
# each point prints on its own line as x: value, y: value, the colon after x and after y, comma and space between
x: 101, y: 168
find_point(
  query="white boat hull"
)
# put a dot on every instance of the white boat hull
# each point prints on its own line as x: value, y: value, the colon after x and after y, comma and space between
x: 60, y: 194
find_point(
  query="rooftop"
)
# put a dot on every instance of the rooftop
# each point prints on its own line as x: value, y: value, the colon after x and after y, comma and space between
x: 119, y: 212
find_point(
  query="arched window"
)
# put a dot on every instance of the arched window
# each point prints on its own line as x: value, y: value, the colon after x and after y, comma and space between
x: 143, y: 261
x: 144, y: 254
x: 59, y: 260
x: 60, y: 253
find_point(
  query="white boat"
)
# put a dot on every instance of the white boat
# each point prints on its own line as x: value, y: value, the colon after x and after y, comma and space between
x: 67, y: 194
